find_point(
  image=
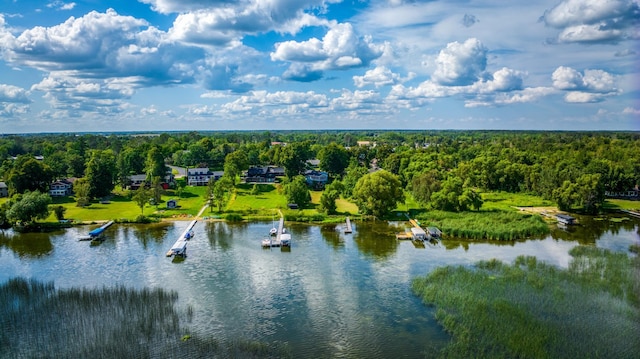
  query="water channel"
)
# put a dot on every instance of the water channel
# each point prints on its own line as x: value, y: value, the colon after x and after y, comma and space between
x: 330, y: 295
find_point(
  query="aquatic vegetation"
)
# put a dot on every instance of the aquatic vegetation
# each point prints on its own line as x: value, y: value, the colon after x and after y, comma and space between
x: 492, y: 225
x: 115, y: 322
x: 534, y: 310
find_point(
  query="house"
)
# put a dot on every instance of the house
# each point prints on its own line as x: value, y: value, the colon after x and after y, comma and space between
x: 135, y: 181
x: 316, y: 179
x: 4, y: 190
x: 260, y: 174
x: 630, y: 194
x: 565, y: 219
x: 61, y: 188
x: 313, y: 163
x: 201, y: 176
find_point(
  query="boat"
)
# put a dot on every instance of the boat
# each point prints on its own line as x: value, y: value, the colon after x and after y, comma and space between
x: 273, y: 232
x: 285, y: 239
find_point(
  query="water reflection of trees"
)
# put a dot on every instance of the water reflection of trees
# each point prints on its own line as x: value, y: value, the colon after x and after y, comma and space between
x: 590, y: 229
x: 27, y: 244
x: 219, y: 234
x: 376, y: 239
x: 146, y: 233
x: 332, y: 236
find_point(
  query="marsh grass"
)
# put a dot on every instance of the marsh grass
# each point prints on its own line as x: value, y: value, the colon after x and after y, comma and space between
x: 38, y: 320
x: 533, y: 310
x: 492, y: 225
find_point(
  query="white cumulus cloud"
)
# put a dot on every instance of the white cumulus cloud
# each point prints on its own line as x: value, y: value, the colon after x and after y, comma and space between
x: 594, y: 21
x: 340, y: 48
x: 13, y: 94
x: 460, y: 63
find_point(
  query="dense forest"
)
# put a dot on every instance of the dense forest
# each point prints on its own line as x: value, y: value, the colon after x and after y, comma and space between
x: 443, y: 170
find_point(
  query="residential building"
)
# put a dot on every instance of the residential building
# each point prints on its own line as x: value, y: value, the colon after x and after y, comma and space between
x: 316, y: 179
x: 61, y: 188
x: 201, y: 176
x: 261, y: 174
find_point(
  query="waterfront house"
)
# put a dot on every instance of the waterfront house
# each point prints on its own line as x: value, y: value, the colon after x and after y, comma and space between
x: 201, y: 176
x: 61, y: 188
x: 316, y: 179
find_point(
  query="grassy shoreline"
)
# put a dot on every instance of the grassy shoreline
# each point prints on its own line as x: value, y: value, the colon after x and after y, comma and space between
x: 499, y: 218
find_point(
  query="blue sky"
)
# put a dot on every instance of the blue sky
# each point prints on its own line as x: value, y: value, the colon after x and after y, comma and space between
x: 153, y: 65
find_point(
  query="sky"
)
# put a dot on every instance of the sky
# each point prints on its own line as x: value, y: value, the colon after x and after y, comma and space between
x: 182, y: 65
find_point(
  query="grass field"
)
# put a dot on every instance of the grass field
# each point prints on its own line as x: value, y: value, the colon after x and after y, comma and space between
x: 121, y: 207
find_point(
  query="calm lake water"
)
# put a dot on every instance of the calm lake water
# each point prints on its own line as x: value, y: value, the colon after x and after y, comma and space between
x: 330, y: 295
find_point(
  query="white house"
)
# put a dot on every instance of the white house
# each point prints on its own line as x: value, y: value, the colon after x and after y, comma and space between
x: 201, y: 176
x: 60, y: 188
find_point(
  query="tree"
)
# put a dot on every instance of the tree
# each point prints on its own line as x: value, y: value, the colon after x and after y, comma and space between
x: 101, y: 173
x: 130, y: 162
x: 424, y: 185
x: 333, y: 159
x: 156, y: 190
x: 378, y: 193
x: 154, y: 164
x: 297, y: 192
x: 220, y: 192
x: 81, y: 191
x: 59, y: 212
x: 454, y: 196
x: 234, y: 164
x: 293, y: 158
x: 181, y: 184
x: 587, y: 192
x: 29, y: 174
x: 142, y: 196
x: 328, y: 200
x: 354, y: 173
x: 29, y: 207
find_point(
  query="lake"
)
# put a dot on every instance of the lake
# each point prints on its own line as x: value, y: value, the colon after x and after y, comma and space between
x: 330, y: 295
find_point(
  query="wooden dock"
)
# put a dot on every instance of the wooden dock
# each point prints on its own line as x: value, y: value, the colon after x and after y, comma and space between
x: 282, y: 239
x: 348, y: 228
x: 179, y: 248
x: 632, y: 213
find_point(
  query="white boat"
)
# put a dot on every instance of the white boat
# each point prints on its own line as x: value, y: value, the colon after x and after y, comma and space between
x: 285, y: 239
x: 273, y: 232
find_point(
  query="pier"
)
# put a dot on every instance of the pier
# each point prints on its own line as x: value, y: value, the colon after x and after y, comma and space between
x: 179, y: 248
x: 632, y: 213
x: 282, y: 238
x: 97, y: 233
x: 417, y: 233
x: 348, y: 228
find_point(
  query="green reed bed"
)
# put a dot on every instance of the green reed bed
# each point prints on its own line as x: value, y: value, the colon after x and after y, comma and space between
x: 534, y: 310
x: 492, y: 225
x: 39, y: 320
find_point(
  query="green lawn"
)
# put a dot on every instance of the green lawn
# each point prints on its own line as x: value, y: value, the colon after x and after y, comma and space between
x: 121, y: 207
x: 263, y: 204
x: 622, y: 204
x: 507, y: 201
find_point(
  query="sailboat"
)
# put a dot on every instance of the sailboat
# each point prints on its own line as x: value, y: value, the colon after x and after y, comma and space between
x: 273, y: 231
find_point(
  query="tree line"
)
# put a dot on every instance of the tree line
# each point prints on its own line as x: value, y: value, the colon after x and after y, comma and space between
x: 443, y: 170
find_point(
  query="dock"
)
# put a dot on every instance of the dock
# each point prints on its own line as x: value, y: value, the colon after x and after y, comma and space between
x: 348, y: 228
x: 417, y: 233
x: 179, y: 248
x: 282, y: 238
x: 631, y: 213
x: 96, y: 233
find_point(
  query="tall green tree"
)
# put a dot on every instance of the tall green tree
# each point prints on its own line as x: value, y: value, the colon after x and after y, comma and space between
x: 29, y: 207
x: 297, y: 192
x: 333, y: 159
x: 130, y: 162
x: 142, y: 196
x: 378, y: 193
x: 293, y: 157
x: 353, y: 174
x: 154, y: 164
x: 454, y: 196
x: 424, y: 185
x: 81, y: 190
x: 29, y: 174
x: 234, y: 163
x: 156, y: 190
x: 219, y: 192
x: 101, y: 173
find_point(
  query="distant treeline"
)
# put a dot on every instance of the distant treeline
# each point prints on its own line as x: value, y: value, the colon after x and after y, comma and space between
x: 572, y: 168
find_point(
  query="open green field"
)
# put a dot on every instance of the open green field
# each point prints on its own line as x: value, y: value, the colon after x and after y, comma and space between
x: 534, y: 310
x: 614, y: 204
x: 121, y: 207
